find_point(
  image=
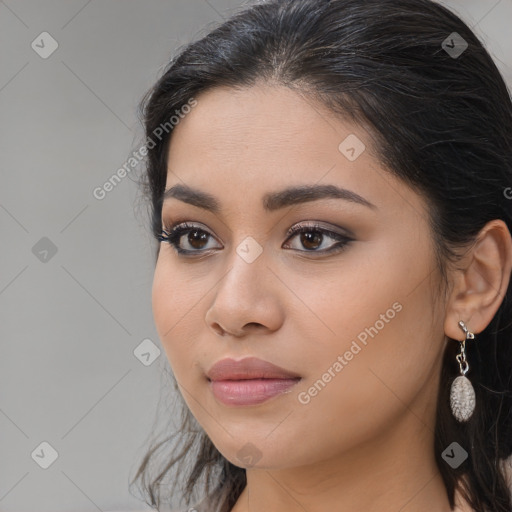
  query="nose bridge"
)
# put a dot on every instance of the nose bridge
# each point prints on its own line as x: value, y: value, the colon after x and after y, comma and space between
x: 248, y: 265
x: 245, y: 295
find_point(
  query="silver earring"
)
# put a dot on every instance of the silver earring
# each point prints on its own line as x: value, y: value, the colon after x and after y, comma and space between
x: 462, y: 394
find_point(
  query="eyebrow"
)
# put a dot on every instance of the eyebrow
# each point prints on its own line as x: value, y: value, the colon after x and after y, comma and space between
x: 272, y: 201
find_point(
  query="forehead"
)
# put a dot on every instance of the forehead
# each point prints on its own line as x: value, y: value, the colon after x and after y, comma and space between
x: 240, y: 143
x: 259, y: 131
x: 262, y: 121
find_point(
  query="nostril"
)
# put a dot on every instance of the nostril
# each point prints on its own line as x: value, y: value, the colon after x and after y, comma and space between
x: 255, y: 324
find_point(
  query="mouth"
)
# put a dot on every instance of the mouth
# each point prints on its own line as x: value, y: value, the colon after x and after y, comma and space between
x: 250, y: 381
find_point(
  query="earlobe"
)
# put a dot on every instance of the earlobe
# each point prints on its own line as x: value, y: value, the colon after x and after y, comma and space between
x: 482, y: 280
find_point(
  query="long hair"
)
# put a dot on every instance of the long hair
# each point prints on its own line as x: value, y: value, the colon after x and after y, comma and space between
x: 441, y: 117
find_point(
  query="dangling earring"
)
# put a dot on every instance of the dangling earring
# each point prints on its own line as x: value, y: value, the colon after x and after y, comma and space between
x: 462, y: 394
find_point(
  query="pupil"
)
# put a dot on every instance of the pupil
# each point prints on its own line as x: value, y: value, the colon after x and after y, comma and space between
x: 308, y: 238
x: 196, y: 237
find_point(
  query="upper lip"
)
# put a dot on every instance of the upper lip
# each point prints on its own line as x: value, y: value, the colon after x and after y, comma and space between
x: 248, y: 368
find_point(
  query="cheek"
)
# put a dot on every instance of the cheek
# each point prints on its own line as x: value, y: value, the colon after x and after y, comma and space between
x: 345, y: 303
x: 162, y: 295
x: 172, y: 303
x: 379, y: 319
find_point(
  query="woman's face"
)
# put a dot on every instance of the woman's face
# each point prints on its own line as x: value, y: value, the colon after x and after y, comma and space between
x: 349, y: 312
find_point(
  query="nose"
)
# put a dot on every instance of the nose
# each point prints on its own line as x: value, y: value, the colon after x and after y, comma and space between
x: 248, y: 299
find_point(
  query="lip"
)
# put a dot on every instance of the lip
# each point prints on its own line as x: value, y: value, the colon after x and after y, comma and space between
x: 248, y: 368
x: 249, y: 381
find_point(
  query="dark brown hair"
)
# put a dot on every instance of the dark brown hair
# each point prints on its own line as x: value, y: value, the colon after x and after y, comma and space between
x: 442, y: 124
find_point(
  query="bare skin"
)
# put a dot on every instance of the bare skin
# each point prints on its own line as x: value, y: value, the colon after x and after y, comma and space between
x: 364, y: 439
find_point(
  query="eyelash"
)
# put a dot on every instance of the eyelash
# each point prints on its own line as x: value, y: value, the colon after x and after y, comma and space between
x: 173, y: 234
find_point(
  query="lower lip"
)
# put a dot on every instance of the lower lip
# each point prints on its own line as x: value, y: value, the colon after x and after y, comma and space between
x: 251, y: 391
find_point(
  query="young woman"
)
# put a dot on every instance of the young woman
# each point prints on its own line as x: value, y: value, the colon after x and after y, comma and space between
x: 330, y: 189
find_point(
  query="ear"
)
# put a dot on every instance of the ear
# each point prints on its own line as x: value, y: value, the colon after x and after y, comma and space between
x: 480, y: 281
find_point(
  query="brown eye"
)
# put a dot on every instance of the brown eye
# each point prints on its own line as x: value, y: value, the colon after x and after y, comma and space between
x: 311, y: 240
x: 313, y: 236
x: 197, y: 238
x: 195, y: 241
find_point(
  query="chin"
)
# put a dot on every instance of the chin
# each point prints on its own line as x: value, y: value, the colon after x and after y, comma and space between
x: 249, y: 449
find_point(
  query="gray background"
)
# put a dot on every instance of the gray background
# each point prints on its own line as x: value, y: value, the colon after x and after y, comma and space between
x: 71, y: 321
